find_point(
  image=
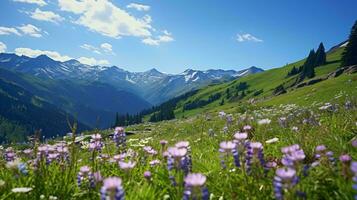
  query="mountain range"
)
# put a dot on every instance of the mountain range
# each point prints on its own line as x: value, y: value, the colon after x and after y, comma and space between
x: 93, y: 94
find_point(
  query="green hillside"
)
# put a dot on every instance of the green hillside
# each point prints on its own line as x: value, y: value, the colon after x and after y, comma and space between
x: 261, y: 87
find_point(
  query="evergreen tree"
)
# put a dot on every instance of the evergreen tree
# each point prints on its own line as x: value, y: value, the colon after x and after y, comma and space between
x: 222, y: 102
x: 349, y: 56
x: 320, y: 58
x: 308, y: 67
x: 116, y: 119
x: 228, y: 93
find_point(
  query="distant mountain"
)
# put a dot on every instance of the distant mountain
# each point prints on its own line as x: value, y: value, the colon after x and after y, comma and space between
x: 152, y: 85
x: 94, y: 94
x: 21, y: 113
x: 93, y: 103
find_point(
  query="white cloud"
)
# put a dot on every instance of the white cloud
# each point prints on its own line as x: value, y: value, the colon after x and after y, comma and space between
x: 8, y: 31
x: 38, y: 2
x: 139, y: 7
x: 247, y: 37
x: 30, y: 30
x: 90, y: 48
x: 35, y: 52
x: 46, y: 16
x: 103, y: 48
x: 106, y: 18
x: 92, y: 61
x: 166, y: 37
x: 2, y: 47
x: 107, y: 47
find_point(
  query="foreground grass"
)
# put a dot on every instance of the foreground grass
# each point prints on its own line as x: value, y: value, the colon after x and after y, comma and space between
x: 336, y: 130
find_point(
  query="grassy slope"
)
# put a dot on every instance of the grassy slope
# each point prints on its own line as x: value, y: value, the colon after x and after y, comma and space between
x: 270, y: 79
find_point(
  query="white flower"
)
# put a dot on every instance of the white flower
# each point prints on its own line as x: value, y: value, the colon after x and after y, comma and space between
x: 13, y: 164
x: 294, y: 128
x: 264, y: 121
x: 273, y: 140
x: 21, y: 190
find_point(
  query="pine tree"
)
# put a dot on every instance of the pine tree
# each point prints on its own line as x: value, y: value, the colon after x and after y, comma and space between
x: 320, y: 56
x: 116, y: 119
x: 222, y: 102
x: 228, y: 93
x: 308, y: 67
x: 349, y: 56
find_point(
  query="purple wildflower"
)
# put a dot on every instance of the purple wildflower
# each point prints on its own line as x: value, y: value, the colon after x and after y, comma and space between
x: 119, y: 137
x: 85, y: 175
x: 226, y: 148
x: 285, y: 178
x: 112, y: 189
x: 193, y: 183
x: 126, y: 166
x: 147, y: 175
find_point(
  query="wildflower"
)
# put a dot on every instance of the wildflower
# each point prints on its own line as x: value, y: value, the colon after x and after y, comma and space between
x: 271, y: 164
x: 187, y: 160
x: 13, y: 164
x: 21, y: 190
x: 221, y: 114
x: 292, y: 155
x: 147, y: 175
x: 348, y: 105
x: 273, y: 140
x: 177, y: 152
x: 247, y: 128
x: 225, y: 149
x: 354, y: 142
x: 119, y: 157
x: 282, y: 122
x: 9, y: 154
x: 163, y: 142
x: 229, y: 119
x: 112, y: 189
x: 150, y: 150
x: 345, y: 160
x: 354, y: 179
x: 126, y: 166
x: 97, y: 177
x: 295, y: 128
x: 193, y: 183
x: 96, y: 144
x: 225, y: 129
x: 182, y: 144
x: 254, y: 150
x: 28, y: 152
x: 264, y: 121
x: 22, y: 168
x: 323, y: 155
x: 119, y: 137
x: 227, y: 146
x: 285, y: 178
x: 177, y: 160
x: 154, y: 162
x: 85, y: 174
x: 240, y: 136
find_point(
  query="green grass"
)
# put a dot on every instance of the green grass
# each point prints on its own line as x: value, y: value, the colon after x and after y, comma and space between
x: 269, y: 80
x: 325, y: 181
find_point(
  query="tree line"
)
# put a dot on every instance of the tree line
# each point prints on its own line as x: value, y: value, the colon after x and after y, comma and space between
x: 164, y: 111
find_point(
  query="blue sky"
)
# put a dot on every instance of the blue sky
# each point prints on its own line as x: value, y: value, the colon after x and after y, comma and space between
x: 174, y: 35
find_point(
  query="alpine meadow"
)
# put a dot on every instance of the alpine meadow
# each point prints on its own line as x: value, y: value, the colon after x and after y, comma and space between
x: 167, y: 100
